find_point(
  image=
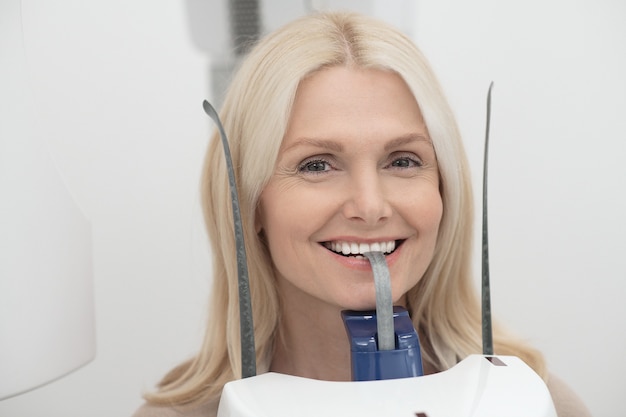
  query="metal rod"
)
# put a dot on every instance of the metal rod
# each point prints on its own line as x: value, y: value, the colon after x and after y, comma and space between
x: 248, y: 351
x: 486, y: 290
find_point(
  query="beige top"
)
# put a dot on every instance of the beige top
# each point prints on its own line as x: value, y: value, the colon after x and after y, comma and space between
x: 566, y: 402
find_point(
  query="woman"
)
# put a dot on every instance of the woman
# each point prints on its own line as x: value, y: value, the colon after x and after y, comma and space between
x: 342, y: 142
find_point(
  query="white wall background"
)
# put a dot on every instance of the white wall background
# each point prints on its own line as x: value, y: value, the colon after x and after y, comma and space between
x: 119, y: 87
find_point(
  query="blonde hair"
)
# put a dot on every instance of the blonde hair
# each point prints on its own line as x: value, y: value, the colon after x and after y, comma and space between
x: 255, y: 114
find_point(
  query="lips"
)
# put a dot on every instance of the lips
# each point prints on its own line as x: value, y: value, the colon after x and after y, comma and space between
x: 346, y: 248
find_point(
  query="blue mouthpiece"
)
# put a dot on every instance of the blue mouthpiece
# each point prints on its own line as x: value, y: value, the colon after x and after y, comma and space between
x: 369, y: 363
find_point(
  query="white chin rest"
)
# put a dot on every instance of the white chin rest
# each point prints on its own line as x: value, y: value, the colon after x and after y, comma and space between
x: 478, y: 386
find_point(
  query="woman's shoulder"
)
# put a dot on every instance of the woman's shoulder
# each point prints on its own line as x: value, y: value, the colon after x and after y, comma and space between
x: 566, y: 401
x: 207, y: 409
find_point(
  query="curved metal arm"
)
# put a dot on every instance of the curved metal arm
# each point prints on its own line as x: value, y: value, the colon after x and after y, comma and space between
x: 248, y: 351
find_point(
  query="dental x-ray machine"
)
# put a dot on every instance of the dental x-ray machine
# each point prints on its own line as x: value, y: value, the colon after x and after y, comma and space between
x: 387, y: 370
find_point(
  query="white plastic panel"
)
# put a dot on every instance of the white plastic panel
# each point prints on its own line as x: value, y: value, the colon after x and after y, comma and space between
x: 46, y: 285
x: 474, y: 387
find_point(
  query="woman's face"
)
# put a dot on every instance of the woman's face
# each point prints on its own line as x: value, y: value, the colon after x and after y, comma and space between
x: 356, y: 172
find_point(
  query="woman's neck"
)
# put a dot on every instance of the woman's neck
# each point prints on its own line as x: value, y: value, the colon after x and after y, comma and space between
x: 312, y: 343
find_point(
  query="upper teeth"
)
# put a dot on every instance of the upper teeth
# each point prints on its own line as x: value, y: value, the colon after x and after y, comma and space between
x: 353, y: 248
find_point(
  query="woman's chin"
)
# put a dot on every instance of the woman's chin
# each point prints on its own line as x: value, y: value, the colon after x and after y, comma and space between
x: 365, y: 304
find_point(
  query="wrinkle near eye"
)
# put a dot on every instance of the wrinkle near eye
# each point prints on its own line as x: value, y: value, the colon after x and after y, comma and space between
x: 285, y: 180
x: 283, y: 171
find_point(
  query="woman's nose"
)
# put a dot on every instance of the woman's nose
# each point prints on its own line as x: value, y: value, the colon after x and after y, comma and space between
x: 366, y: 200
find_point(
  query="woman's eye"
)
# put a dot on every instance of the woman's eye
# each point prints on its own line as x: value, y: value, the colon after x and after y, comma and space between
x: 314, y: 166
x: 405, y: 162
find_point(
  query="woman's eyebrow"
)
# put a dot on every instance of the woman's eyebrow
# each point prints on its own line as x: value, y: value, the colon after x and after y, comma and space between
x: 406, y: 139
x: 329, y: 144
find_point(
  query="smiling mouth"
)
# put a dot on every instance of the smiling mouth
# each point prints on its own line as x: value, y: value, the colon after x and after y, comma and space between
x: 358, y: 249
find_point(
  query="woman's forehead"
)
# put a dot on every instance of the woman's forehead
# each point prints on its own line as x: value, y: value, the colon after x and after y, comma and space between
x: 337, y: 100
